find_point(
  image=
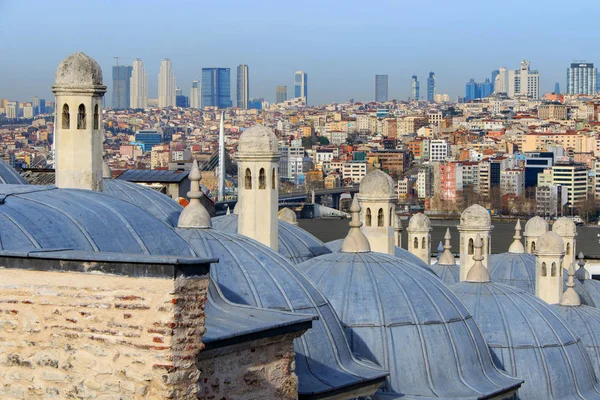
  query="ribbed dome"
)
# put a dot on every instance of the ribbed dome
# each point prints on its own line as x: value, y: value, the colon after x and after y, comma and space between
x: 78, y: 70
x: 585, y: 322
x: 376, y: 185
x: 475, y: 217
x: 408, y: 321
x: 295, y: 243
x: 518, y: 270
x: 449, y: 274
x: 252, y: 274
x: 419, y: 222
x: 336, y: 246
x: 536, y: 226
x: 564, y: 227
x: 258, y: 139
x: 592, y: 288
x: 45, y: 217
x: 9, y: 176
x: 530, y: 340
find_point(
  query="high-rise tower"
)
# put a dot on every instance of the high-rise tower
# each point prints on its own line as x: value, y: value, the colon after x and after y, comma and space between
x: 581, y: 78
x: 121, y: 86
x: 216, y: 87
x: 381, y: 88
x: 138, y: 85
x: 414, y: 88
x: 301, y: 85
x: 431, y: 87
x: 281, y: 93
x: 243, y: 87
x: 166, y: 84
x: 195, y: 95
x: 524, y: 82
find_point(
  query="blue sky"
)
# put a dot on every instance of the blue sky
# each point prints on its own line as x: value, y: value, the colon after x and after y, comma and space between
x: 340, y: 44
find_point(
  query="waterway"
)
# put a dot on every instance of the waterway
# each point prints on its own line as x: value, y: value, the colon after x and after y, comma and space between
x: 502, y: 235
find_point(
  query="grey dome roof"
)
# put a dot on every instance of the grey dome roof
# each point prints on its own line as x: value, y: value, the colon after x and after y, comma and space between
x: 295, y: 243
x: 45, y: 217
x: 158, y: 204
x: 592, y: 288
x: 536, y: 226
x: 258, y: 139
x: 565, y: 226
x: 530, y: 340
x: 408, y: 321
x: 449, y: 274
x: 250, y: 273
x: 419, y: 222
x: 475, y: 216
x: 376, y: 185
x: 585, y: 322
x: 518, y: 270
x: 336, y: 246
x: 78, y: 70
x: 9, y: 176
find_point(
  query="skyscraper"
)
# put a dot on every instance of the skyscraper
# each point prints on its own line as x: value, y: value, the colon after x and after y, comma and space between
x: 524, y: 82
x: 301, y: 85
x: 138, y: 85
x: 36, y: 105
x: 381, y: 88
x: 431, y: 87
x: 581, y: 78
x: 471, y: 90
x: 557, y: 88
x: 281, y: 93
x: 166, y: 85
x: 486, y: 88
x: 195, y: 95
x: 121, y: 86
x: 495, y: 73
x: 243, y: 87
x: 414, y: 88
x: 216, y: 87
x: 500, y: 81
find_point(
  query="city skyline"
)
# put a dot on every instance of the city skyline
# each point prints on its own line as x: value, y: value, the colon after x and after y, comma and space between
x: 333, y: 77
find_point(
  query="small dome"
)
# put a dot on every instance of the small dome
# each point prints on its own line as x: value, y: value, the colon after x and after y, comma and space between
x: 448, y: 273
x: 258, y: 139
x: 406, y: 320
x: 376, y: 185
x: 529, y: 340
x: 550, y: 243
x: 295, y: 244
x: 419, y: 222
x: 536, y: 226
x: 78, y: 70
x: 287, y: 215
x: 475, y: 217
x: 565, y: 227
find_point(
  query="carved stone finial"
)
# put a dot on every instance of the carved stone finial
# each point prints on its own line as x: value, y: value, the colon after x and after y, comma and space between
x: 517, y: 247
x: 447, y: 258
x: 478, y: 272
x: 194, y: 215
x: 355, y: 241
x: 570, y: 297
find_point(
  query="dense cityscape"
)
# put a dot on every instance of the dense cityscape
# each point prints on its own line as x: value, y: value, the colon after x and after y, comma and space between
x: 503, y: 144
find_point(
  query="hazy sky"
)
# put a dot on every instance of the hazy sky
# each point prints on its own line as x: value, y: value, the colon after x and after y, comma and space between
x: 341, y: 45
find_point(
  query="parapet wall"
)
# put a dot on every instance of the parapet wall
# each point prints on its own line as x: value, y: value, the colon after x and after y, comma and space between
x: 90, y: 335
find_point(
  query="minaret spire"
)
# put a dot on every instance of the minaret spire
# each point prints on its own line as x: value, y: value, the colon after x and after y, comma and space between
x: 570, y: 297
x: 447, y: 258
x: 478, y: 272
x: 517, y: 247
x: 355, y: 241
x: 194, y: 215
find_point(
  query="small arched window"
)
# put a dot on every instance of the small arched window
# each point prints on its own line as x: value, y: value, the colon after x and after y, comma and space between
x: 532, y: 247
x: 66, y: 117
x: 368, y: 217
x: 416, y: 243
x: 380, y: 217
x: 423, y: 244
x: 489, y: 247
x: 81, y: 117
x: 273, y: 179
x: 248, y: 179
x: 391, y: 220
x: 96, y: 117
x: 262, y: 179
x: 553, y: 269
x: 471, y: 247
x: 568, y: 249
x: 544, y: 272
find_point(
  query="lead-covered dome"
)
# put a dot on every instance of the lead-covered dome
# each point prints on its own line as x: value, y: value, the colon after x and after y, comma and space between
x: 376, y: 185
x: 258, y: 139
x: 408, y: 321
x: 9, y: 176
x: 295, y: 244
x: 531, y: 341
x: 78, y: 70
x: 564, y: 227
x: 536, y: 226
x: 475, y: 216
x: 252, y: 274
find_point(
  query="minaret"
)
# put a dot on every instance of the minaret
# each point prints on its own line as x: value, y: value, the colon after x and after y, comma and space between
x: 258, y: 185
x: 478, y: 272
x: 419, y: 237
x: 517, y: 247
x: 398, y: 231
x: 194, y: 215
x: 378, y: 209
x: 78, y: 130
x: 447, y: 258
x: 566, y: 228
x: 355, y: 241
x: 474, y: 221
x: 582, y: 274
x: 550, y: 253
x: 534, y: 228
x: 221, y: 170
x: 570, y: 297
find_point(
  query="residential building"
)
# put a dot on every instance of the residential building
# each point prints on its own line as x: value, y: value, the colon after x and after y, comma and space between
x: 414, y: 88
x: 524, y: 82
x: 425, y: 182
x: 195, y: 92
x: 431, y: 87
x: 500, y: 82
x: 354, y: 170
x: 293, y: 164
x: 535, y: 164
x: 301, y: 85
x: 391, y: 161
x: 550, y: 200
x: 36, y: 105
x: 553, y: 111
x: 471, y: 90
x: 243, y: 87
x: 573, y: 177
x: 405, y: 188
x: 12, y: 109
x: 166, y: 85
x: 512, y: 182
x: 450, y: 180
x: 121, y: 93
x: 216, y: 87
x: 581, y: 78
x: 281, y: 93
x: 489, y: 176
x: 439, y: 150
x: 381, y: 88
x: 138, y: 85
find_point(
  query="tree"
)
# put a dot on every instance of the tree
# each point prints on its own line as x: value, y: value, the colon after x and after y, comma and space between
x: 587, y: 208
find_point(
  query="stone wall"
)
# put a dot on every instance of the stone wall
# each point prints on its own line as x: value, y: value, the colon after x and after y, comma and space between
x: 261, y: 371
x: 82, y: 335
